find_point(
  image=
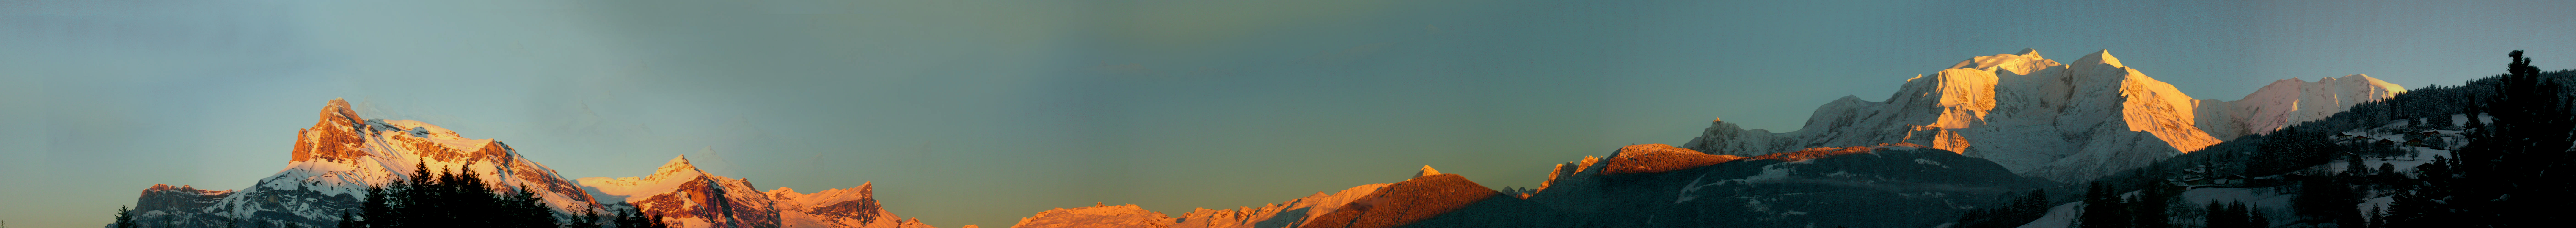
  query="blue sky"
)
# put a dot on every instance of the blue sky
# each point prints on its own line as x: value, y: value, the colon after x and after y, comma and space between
x: 981, y: 112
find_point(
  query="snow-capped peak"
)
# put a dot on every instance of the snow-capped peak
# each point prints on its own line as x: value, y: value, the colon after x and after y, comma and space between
x: 689, y: 197
x: 2365, y: 81
x: 1426, y: 171
x: 677, y: 166
x: 2100, y: 57
x: 2018, y: 64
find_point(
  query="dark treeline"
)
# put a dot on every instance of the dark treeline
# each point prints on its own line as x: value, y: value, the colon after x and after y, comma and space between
x: 455, y: 198
x: 448, y: 199
x: 2502, y: 166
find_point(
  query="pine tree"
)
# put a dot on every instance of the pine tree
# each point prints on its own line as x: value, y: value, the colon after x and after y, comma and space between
x: 124, y: 219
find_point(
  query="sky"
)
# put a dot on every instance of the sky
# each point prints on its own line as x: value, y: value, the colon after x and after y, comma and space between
x: 982, y: 112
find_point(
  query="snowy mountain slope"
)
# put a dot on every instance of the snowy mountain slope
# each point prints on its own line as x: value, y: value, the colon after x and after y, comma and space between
x: 690, y: 197
x: 341, y: 155
x: 2290, y: 101
x: 2038, y: 117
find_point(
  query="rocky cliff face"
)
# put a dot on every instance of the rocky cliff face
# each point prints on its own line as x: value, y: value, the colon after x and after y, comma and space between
x: 2038, y: 117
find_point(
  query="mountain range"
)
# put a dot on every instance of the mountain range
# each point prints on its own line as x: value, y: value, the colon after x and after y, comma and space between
x: 1946, y: 142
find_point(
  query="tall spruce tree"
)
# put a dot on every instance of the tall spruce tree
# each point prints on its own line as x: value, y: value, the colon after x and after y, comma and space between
x: 124, y: 218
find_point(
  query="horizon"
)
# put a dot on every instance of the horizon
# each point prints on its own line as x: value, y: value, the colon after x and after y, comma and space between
x: 984, y: 112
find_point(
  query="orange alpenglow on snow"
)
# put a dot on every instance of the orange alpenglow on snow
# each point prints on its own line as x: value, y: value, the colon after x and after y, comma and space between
x: 1657, y: 158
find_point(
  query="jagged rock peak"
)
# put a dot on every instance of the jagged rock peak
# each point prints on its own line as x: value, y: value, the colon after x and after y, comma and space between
x: 339, y: 108
x: 1426, y: 171
x: 2029, y: 52
x: 334, y: 136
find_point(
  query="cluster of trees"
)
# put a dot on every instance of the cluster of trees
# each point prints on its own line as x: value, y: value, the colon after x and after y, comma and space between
x: 458, y: 199
x: 450, y: 198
